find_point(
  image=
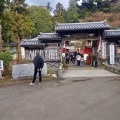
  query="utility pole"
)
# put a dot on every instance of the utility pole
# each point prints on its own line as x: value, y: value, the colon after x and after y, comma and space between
x: 1, y: 47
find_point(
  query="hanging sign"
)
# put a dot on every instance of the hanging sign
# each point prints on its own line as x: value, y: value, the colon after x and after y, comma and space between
x: 104, y: 50
x: 112, y: 54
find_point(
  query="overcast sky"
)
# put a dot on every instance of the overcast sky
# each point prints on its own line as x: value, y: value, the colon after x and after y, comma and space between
x: 44, y: 2
x: 52, y: 3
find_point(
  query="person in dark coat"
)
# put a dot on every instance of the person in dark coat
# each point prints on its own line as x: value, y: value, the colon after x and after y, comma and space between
x: 38, y: 65
x: 67, y: 57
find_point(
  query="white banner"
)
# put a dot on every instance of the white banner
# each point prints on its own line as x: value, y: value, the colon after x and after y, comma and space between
x: 112, y: 54
x: 1, y: 65
x: 104, y: 50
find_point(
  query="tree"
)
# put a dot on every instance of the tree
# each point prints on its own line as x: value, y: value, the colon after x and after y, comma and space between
x: 49, y: 8
x: 59, y: 14
x: 112, y: 19
x: 58, y: 18
x: 3, y: 5
x: 16, y: 24
x: 115, y: 6
x: 19, y: 7
x: 103, y: 5
x: 59, y: 9
x: 41, y: 18
x: 13, y: 25
x: 72, y: 14
x: 87, y: 8
x: 1, y: 48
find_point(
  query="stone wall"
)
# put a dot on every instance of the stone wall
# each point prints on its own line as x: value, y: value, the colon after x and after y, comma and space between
x: 111, y: 68
x: 20, y: 71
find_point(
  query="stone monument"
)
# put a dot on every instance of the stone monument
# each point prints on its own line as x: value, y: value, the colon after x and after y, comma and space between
x: 21, y: 71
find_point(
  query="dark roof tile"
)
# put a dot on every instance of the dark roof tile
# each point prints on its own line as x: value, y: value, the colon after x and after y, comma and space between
x: 31, y: 42
x: 49, y: 36
x: 81, y: 26
x: 111, y: 33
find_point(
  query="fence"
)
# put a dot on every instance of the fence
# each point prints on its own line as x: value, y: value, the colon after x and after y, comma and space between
x: 48, y: 54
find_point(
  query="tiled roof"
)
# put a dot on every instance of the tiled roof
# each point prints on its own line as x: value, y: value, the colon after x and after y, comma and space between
x: 49, y: 36
x: 10, y: 44
x: 81, y: 26
x: 111, y: 33
x: 31, y: 42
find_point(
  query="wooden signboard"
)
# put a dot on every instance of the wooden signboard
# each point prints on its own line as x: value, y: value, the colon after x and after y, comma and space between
x: 84, y: 36
x: 118, y: 50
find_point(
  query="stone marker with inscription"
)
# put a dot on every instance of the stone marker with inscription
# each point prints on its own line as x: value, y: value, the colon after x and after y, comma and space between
x: 0, y: 75
x: 26, y: 71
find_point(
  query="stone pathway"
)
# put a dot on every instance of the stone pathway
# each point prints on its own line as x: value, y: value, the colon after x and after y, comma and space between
x: 86, y: 71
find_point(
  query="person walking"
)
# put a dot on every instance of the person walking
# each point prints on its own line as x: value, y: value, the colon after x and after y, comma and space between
x: 38, y: 65
x: 78, y: 58
x: 73, y: 58
x: 67, y: 57
x: 82, y: 59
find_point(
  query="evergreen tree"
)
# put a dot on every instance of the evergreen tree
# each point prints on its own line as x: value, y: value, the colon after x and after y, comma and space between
x: 49, y: 8
x: 59, y: 14
x: 41, y: 18
x: 72, y: 14
x: 59, y: 9
x: 3, y: 5
x: 15, y: 24
x: 103, y: 5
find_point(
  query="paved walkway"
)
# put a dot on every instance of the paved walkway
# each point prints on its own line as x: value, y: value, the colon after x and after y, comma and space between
x: 86, y: 71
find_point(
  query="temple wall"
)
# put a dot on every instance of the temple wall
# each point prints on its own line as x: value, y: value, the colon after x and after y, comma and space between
x: 50, y: 53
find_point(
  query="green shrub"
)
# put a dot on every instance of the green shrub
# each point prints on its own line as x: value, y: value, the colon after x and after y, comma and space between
x: 6, y: 57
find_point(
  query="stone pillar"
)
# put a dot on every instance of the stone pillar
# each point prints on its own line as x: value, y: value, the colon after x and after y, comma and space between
x: 60, y: 75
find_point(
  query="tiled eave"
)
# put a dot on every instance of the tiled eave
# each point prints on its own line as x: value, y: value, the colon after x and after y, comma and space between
x: 10, y: 44
x: 111, y: 33
x: 25, y: 43
x: 81, y: 26
x: 50, y: 41
x: 49, y: 36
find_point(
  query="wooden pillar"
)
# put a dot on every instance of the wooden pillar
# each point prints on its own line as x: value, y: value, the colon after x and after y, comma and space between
x: 63, y: 59
x: 100, y: 49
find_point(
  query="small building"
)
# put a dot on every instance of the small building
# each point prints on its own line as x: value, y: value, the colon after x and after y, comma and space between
x: 30, y: 47
x: 47, y: 44
x: 112, y: 37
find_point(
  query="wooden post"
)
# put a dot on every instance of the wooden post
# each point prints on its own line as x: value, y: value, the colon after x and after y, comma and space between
x: 19, y: 51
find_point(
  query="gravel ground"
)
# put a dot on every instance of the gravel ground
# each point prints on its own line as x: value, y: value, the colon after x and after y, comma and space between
x: 69, y: 99
x: 22, y: 88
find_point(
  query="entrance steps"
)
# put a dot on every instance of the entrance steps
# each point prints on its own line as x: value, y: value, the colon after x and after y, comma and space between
x: 86, y: 71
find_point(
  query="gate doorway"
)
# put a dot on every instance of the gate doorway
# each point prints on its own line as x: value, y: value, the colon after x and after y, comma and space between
x: 87, y: 36
x: 79, y: 44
